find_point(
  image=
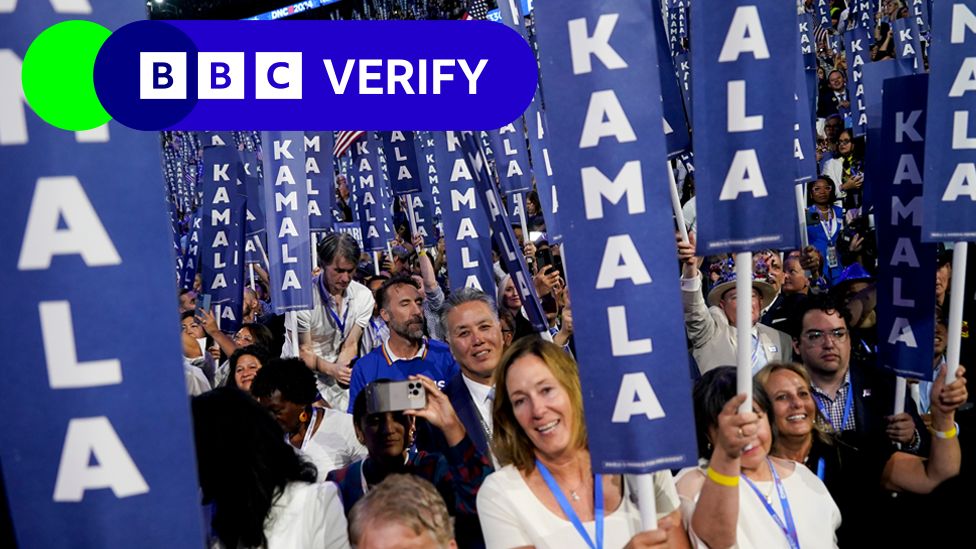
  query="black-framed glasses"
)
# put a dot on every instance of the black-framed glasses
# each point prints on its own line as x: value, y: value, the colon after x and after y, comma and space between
x: 816, y: 337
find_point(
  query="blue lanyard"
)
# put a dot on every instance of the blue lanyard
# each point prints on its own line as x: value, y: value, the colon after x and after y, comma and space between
x: 848, y: 406
x: 820, y: 469
x: 571, y: 513
x: 341, y: 324
x: 789, y: 529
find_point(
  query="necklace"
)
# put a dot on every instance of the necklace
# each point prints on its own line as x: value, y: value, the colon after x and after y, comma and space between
x: 573, y: 493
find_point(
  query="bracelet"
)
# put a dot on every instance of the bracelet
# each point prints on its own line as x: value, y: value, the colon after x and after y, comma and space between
x: 720, y: 479
x: 422, y: 252
x: 945, y: 435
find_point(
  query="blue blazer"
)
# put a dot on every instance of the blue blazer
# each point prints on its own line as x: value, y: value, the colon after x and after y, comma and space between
x: 431, y: 439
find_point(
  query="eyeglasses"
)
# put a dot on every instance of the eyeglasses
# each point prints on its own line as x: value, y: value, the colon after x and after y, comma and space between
x: 843, y: 141
x: 815, y: 337
x: 245, y: 338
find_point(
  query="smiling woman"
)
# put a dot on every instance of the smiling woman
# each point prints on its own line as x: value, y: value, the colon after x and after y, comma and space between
x: 547, y: 494
x: 744, y: 497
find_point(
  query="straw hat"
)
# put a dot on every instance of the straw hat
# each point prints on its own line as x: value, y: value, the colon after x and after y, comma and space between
x: 767, y: 292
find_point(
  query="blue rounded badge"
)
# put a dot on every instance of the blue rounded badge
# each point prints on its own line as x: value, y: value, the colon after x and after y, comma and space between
x: 315, y: 75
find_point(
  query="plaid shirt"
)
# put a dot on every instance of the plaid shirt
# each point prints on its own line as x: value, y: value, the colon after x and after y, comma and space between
x: 833, y: 410
x: 457, y: 474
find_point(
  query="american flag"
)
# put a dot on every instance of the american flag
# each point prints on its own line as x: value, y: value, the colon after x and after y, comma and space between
x: 476, y: 9
x: 344, y: 140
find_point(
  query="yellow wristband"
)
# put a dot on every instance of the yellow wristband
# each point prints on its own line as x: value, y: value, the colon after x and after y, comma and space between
x: 951, y: 433
x: 719, y: 478
x: 422, y: 252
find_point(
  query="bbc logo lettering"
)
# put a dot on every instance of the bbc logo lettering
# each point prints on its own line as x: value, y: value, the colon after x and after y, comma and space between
x: 220, y: 75
x: 162, y: 75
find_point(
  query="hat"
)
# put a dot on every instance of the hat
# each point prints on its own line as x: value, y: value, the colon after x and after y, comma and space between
x: 767, y: 293
x: 855, y: 272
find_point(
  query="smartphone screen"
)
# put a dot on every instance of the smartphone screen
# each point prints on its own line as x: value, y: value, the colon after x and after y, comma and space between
x: 203, y: 303
x: 543, y: 258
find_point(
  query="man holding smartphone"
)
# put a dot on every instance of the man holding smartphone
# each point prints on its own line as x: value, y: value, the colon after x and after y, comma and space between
x: 406, y: 352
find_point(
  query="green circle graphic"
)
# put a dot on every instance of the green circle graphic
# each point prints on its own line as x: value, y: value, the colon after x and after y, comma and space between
x: 58, y: 75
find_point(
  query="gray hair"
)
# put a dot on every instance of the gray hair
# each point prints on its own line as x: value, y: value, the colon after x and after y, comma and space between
x: 461, y: 296
x: 409, y: 500
x: 338, y: 244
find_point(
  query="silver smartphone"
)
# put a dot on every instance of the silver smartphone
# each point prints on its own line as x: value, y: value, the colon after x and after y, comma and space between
x: 395, y: 396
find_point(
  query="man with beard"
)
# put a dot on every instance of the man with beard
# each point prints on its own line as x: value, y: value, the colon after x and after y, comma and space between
x: 406, y: 352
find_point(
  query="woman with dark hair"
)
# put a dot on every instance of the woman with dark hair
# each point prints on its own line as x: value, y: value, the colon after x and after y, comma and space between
x: 198, y: 367
x: 744, y: 497
x: 244, y: 365
x: 260, y: 492
x: 533, y: 213
x: 457, y: 473
x: 286, y: 388
x: 847, y: 168
x: 546, y: 494
x: 248, y: 334
x: 825, y: 222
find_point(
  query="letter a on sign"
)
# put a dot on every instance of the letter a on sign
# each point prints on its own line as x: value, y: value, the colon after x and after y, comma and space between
x: 636, y: 396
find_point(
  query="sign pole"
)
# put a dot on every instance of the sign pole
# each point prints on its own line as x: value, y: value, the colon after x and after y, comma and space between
x: 743, y: 327
x: 957, y: 289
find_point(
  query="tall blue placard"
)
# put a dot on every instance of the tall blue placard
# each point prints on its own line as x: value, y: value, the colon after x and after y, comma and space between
x: 320, y: 179
x: 222, y: 235
x: 467, y: 236
x: 286, y: 219
x: 537, y: 128
x: 742, y: 141
x: 96, y: 447
x: 676, y: 135
x: 401, y: 160
x: 858, y: 54
x: 504, y: 236
x: 370, y: 190
x: 950, y: 147
x: 599, y: 62
x: 905, y: 311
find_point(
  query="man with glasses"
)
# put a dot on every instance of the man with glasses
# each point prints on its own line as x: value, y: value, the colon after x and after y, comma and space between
x: 856, y: 401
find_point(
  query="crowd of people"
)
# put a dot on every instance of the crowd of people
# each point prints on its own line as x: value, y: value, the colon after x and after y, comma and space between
x: 296, y: 450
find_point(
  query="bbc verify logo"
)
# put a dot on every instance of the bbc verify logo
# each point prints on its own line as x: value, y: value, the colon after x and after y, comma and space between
x: 220, y: 75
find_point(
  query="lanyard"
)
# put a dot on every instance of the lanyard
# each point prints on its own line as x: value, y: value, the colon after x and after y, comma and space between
x: 789, y: 529
x: 571, y: 513
x: 848, y: 406
x: 341, y: 324
x: 310, y: 428
x: 830, y: 232
x: 820, y: 469
x: 308, y: 431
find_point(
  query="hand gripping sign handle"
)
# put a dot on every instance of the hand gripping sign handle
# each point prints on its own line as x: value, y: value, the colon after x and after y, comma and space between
x: 957, y: 291
x: 679, y: 215
x: 743, y: 328
x: 900, y: 387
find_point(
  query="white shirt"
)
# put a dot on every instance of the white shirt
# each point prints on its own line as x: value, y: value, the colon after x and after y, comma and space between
x: 307, y: 516
x: 814, y: 512
x: 512, y: 516
x: 394, y: 358
x: 327, y: 339
x: 479, y: 395
x: 333, y: 445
